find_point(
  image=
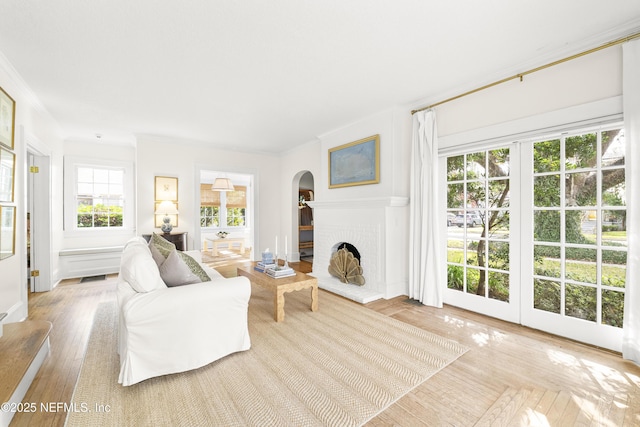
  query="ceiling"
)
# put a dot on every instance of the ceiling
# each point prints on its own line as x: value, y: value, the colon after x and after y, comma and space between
x: 269, y: 75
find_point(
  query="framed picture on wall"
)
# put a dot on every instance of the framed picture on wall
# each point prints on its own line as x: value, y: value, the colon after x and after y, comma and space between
x: 166, y: 188
x: 7, y: 119
x: 355, y: 163
x: 7, y: 173
x: 7, y: 231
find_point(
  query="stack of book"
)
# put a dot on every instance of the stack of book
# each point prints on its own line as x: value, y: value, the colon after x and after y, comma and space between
x: 278, y: 272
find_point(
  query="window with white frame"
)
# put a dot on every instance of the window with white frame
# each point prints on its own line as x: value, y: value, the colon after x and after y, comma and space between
x: 222, y: 208
x: 96, y: 195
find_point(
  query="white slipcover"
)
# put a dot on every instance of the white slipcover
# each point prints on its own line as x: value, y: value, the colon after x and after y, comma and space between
x: 170, y: 330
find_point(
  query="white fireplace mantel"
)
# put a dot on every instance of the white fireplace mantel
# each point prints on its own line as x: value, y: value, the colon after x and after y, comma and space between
x: 375, y: 202
x: 377, y: 228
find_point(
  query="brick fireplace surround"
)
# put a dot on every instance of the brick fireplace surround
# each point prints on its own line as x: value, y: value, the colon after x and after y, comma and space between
x: 378, y: 228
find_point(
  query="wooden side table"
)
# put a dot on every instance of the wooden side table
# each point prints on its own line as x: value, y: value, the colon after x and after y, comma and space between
x: 280, y: 286
x: 227, y: 241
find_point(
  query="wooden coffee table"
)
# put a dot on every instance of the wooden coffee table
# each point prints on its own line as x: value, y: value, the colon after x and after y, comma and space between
x: 279, y: 286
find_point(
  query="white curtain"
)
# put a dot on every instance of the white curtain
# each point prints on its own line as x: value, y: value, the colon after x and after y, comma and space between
x: 631, y: 95
x: 426, y: 262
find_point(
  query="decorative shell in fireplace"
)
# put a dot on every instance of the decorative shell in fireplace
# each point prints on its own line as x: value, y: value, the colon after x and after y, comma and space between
x: 346, y: 267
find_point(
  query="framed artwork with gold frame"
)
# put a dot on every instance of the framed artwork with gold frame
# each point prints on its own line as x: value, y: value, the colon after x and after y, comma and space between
x: 166, y: 188
x: 355, y: 163
x: 7, y: 174
x: 7, y: 231
x: 7, y: 119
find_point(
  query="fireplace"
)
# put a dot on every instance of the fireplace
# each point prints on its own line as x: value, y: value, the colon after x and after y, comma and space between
x: 378, y: 229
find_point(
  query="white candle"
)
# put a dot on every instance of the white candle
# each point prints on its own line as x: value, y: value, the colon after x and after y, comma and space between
x: 276, y: 245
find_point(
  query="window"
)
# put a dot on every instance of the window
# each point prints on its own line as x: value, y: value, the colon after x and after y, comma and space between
x: 209, y: 206
x: 219, y: 208
x: 236, y: 203
x: 95, y: 195
x: 99, y: 197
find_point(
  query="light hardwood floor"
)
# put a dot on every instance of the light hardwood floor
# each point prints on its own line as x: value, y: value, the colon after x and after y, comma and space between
x: 510, y: 376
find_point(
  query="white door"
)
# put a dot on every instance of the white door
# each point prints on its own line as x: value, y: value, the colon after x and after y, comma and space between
x: 482, y: 236
x: 574, y: 236
x: 39, y: 201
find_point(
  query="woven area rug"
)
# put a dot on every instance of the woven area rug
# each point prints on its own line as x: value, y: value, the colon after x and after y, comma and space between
x: 339, y: 366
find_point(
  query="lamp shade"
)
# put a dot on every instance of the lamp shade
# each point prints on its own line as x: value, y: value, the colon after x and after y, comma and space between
x: 167, y: 208
x: 222, y: 184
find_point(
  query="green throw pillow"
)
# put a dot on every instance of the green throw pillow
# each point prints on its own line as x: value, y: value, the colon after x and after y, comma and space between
x: 163, y: 246
x: 194, y: 267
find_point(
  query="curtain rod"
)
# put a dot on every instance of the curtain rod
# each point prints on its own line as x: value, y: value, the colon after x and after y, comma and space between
x: 533, y: 70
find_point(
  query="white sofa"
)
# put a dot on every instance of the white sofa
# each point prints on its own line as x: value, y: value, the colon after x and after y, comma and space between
x: 164, y: 330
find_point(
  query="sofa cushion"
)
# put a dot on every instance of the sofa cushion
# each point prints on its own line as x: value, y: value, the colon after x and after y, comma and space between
x: 162, y: 245
x: 195, y: 267
x: 175, y: 272
x: 139, y: 269
x: 157, y: 256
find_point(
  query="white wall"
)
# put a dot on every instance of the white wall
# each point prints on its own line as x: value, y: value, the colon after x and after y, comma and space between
x: 183, y: 159
x: 34, y: 123
x: 584, y: 80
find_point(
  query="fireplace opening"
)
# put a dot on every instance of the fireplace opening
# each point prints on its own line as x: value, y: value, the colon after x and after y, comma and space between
x: 349, y: 247
x: 345, y: 264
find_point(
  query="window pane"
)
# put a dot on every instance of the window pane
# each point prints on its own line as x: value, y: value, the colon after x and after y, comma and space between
x: 473, y: 278
x: 580, y: 302
x: 85, y: 175
x: 614, y: 268
x: 546, y: 156
x: 455, y: 196
x: 546, y: 191
x: 546, y: 295
x: 613, y: 148
x: 477, y: 253
x: 580, y: 151
x: 498, y: 224
x: 455, y: 168
x: 580, y: 189
x: 476, y: 165
x: 499, y: 193
x: 499, y: 163
x: 614, y: 228
x: 101, y: 175
x: 455, y: 251
x: 499, y: 255
x: 613, y: 188
x: 499, y: 286
x: 612, y: 308
x: 581, y: 265
x: 475, y: 195
x: 579, y: 228
x: 546, y: 226
x: 455, y: 277
x: 547, y: 261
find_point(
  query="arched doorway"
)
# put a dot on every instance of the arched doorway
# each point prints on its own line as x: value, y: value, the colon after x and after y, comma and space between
x: 304, y: 192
